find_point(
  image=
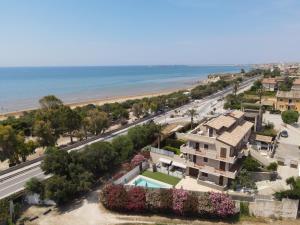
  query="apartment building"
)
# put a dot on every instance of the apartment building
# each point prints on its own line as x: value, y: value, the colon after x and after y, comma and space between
x: 213, y: 148
x: 288, y: 100
x: 296, y: 85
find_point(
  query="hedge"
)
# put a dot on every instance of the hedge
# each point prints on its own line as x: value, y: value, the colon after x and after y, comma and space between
x: 175, y: 201
x: 172, y: 149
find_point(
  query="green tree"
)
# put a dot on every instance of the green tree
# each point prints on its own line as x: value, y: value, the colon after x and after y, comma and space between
x: 59, y: 189
x: 26, y: 148
x: 45, y: 133
x: 71, y: 121
x: 137, y: 110
x: 34, y: 185
x: 235, y: 87
x: 123, y: 146
x: 290, y: 116
x: 56, y: 162
x: 98, y: 121
x: 50, y: 102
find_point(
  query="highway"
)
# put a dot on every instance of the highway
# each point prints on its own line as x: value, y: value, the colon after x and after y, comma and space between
x: 14, y: 181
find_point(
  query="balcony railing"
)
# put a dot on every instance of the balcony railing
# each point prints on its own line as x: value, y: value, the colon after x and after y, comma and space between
x: 211, y: 154
x: 211, y: 170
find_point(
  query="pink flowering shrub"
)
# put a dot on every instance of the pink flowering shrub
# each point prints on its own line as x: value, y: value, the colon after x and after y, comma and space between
x: 222, y: 204
x: 166, y: 200
x: 204, y: 206
x: 137, y: 159
x: 136, y: 199
x: 179, y: 198
x: 153, y: 199
x: 114, y: 197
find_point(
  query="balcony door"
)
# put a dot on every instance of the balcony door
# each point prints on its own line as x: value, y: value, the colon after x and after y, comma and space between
x: 197, y: 146
x: 222, y: 166
x: 221, y: 180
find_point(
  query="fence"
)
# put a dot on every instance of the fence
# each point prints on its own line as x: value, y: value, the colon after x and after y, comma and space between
x: 132, y: 173
x: 162, y: 152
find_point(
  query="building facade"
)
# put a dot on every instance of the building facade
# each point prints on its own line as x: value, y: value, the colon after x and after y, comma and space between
x: 269, y: 84
x: 288, y: 100
x: 213, y: 148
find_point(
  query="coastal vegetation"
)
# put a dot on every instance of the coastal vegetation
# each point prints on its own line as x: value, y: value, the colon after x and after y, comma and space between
x: 76, y: 172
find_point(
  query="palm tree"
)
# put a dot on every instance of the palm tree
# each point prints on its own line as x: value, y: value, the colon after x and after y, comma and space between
x: 192, y: 113
x: 260, y: 92
x: 235, y: 87
x: 159, y: 135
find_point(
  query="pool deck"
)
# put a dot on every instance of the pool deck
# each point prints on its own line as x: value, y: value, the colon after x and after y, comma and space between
x: 164, y: 185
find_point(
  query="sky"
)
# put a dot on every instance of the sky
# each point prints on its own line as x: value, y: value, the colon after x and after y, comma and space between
x: 148, y: 32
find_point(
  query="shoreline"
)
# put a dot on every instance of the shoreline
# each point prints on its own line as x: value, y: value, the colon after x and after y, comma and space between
x: 102, y: 101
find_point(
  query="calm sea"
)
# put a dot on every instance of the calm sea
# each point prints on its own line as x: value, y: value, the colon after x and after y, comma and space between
x: 20, y: 88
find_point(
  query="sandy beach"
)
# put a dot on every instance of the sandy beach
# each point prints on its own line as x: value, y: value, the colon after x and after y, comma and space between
x: 108, y: 100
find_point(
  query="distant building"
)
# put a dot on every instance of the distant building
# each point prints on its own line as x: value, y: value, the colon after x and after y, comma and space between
x: 296, y: 85
x: 286, y: 100
x: 269, y: 84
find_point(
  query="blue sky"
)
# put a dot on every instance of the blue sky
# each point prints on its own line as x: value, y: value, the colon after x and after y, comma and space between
x: 139, y: 32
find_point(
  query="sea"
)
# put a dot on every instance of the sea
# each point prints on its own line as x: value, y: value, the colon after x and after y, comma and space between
x: 22, y: 87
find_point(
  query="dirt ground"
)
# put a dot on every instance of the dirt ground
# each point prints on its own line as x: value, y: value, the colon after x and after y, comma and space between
x: 88, y: 211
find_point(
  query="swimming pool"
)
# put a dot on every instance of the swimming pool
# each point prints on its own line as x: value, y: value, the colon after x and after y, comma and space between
x: 142, y: 181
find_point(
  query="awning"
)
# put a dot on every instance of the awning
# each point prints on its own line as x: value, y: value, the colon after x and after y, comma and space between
x: 263, y: 138
x: 163, y: 160
x: 177, y: 164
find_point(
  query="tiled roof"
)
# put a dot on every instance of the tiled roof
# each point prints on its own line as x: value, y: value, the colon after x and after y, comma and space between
x: 288, y: 94
x: 221, y: 121
x: 236, y: 135
x: 269, y: 81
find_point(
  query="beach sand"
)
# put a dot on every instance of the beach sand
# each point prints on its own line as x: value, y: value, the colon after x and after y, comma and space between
x: 108, y: 100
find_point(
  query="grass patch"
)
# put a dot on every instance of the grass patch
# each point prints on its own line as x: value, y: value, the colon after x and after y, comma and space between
x: 161, y: 177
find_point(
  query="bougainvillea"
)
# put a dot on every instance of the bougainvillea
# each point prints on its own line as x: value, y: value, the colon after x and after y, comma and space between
x: 179, y: 198
x: 136, y: 199
x: 137, y: 159
x: 114, y: 197
x: 222, y: 204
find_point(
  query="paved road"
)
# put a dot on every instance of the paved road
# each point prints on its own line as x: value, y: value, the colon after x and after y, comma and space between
x: 14, y: 181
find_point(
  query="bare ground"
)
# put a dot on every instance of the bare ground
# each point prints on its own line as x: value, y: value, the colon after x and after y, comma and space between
x: 88, y: 211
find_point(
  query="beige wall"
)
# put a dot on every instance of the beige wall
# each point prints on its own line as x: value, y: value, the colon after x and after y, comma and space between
x: 282, y: 104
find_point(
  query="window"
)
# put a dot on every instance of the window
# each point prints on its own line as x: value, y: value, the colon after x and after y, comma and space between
x: 204, y: 174
x: 205, y: 159
x: 205, y: 146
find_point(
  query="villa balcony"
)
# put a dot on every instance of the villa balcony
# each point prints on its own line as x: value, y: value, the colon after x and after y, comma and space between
x: 211, y: 154
x: 231, y: 173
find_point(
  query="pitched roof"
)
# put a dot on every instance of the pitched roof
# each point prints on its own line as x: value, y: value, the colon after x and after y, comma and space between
x: 288, y: 94
x: 221, y: 121
x: 236, y: 135
x: 263, y: 138
x: 269, y: 81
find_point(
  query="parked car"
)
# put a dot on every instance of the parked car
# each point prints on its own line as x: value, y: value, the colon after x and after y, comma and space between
x: 284, y: 133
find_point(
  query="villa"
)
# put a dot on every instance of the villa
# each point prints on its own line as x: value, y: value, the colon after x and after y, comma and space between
x: 213, y: 150
x: 296, y: 85
x: 269, y: 84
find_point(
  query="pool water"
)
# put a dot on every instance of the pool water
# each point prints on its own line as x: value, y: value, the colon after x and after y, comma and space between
x: 143, y: 182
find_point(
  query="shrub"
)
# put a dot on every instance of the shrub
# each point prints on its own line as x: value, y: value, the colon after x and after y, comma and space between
x: 137, y: 159
x: 272, y: 166
x: 114, y: 197
x: 180, y: 196
x: 290, y: 116
x: 244, y: 209
x: 251, y: 165
x: 172, y: 149
x: 204, y: 205
x: 153, y: 198
x: 191, y: 204
x: 176, y: 143
x: 166, y: 199
x: 222, y: 204
x: 136, y: 199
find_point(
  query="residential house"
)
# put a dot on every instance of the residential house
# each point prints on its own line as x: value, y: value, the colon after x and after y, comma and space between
x: 269, y: 84
x: 213, y: 148
x: 286, y: 100
x: 296, y: 85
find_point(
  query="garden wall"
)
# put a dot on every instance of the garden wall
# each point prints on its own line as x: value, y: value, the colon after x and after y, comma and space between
x: 131, y: 174
x: 287, y: 208
x: 259, y: 176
